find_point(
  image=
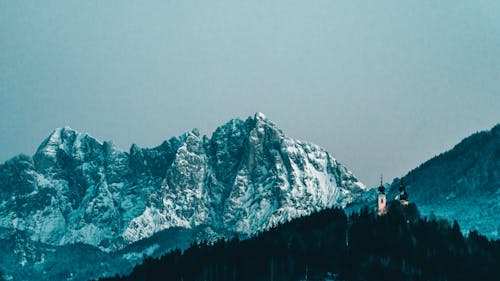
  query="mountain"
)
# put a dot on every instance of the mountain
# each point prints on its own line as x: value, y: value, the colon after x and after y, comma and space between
x: 462, y: 183
x: 81, y: 193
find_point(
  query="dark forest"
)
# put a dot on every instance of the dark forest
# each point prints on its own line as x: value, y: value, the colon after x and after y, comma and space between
x: 330, y: 245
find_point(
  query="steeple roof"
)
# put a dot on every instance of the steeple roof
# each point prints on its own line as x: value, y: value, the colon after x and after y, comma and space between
x: 381, y: 188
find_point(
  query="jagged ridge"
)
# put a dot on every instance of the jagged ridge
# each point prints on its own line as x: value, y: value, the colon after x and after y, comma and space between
x: 246, y: 177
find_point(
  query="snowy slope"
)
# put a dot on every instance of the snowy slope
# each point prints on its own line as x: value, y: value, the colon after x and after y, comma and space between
x: 246, y: 177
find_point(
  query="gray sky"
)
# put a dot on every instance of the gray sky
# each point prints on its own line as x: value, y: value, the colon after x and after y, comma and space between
x: 383, y: 85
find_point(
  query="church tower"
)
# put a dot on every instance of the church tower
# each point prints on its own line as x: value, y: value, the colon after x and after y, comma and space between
x: 382, y: 200
x: 403, y: 194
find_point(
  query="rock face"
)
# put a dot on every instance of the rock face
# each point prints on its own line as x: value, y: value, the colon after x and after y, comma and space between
x: 248, y: 176
x: 462, y: 184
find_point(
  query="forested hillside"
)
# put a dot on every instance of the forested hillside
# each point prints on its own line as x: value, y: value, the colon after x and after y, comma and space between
x: 332, y: 245
x: 462, y: 183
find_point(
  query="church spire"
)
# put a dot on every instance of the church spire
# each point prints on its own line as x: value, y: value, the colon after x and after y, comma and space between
x: 382, y: 204
x: 381, y: 188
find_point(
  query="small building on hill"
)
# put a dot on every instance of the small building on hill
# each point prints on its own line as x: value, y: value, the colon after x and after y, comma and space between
x: 402, y: 198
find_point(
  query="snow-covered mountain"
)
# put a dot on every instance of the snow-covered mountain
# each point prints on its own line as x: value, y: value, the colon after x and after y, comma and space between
x: 462, y: 183
x: 77, y: 190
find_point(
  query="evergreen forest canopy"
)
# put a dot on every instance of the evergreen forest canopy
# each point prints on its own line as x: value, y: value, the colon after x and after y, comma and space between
x: 330, y: 245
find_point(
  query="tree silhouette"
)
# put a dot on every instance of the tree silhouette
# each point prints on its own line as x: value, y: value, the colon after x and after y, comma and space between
x: 397, y: 246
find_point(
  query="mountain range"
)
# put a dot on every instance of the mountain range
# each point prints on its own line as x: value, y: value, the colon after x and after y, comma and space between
x: 80, y: 208
x: 109, y: 207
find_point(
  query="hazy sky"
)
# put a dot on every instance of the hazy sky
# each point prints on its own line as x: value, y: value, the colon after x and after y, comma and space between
x: 382, y: 85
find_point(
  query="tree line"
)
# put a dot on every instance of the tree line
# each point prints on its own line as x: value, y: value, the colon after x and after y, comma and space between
x: 331, y: 245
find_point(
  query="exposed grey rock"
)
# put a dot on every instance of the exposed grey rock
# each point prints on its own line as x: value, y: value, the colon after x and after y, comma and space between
x: 246, y: 177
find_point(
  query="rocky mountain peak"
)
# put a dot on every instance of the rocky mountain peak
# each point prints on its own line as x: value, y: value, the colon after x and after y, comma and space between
x: 246, y: 177
x: 263, y: 124
x: 260, y: 116
x: 66, y: 144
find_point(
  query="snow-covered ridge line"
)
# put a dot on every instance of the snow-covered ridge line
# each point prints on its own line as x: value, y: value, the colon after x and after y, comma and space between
x: 247, y: 176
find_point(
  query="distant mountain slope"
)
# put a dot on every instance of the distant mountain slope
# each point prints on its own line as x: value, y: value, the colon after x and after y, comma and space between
x: 463, y: 183
x: 246, y: 177
x: 24, y: 259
